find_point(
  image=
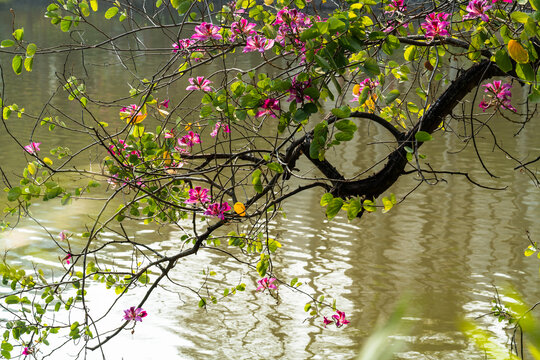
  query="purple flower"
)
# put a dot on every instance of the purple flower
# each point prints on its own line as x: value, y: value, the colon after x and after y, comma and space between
x: 435, y: 25
x: 477, y: 8
x: 269, y: 106
x: 217, y: 209
x: 340, y: 318
x: 63, y: 235
x: 218, y: 126
x: 206, y: 31
x: 242, y: 27
x: 198, y: 194
x: 134, y: 314
x: 326, y: 321
x: 33, y: 148
x: 190, y: 139
x: 258, y: 43
x: 266, y: 283
x: 396, y: 5
x: 199, y: 83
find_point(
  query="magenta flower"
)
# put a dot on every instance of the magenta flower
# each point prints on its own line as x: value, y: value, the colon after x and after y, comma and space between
x: 198, y: 194
x: 165, y: 103
x: 477, y: 8
x: 218, y: 126
x: 266, y: 283
x: 297, y: 89
x: 258, y: 43
x: 169, y: 134
x: 206, y: 31
x: 67, y: 259
x: 396, y: 5
x: 26, y: 351
x: 199, y: 83
x: 366, y: 83
x: 326, y: 321
x: 134, y: 314
x: 269, y: 106
x: 435, y: 25
x: 33, y: 148
x: 242, y: 27
x: 218, y: 210
x: 190, y: 139
x: 506, y: 1
x: 500, y: 95
x: 340, y: 318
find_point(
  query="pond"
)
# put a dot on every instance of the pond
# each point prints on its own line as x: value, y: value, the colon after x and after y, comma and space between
x: 446, y: 248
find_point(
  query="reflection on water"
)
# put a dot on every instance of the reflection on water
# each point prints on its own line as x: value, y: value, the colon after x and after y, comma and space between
x: 445, y: 247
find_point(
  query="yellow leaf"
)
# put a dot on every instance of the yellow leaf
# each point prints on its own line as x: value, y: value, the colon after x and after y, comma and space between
x: 163, y: 112
x: 167, y: 158
x: 47, y: 161
x: 32, y: 168
x: 94, y: 4
x: 387, y: 204
x: 356, y: 89
x: 240, y: 209
x: 518, y: 52
x: 268, y: 2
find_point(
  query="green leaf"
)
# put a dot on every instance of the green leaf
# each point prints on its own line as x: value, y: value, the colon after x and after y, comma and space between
x: 275, y: 167
x: 85, y: 9
x: 5, y: 354
x: 16, y: 64
x: 534, y: 96
x: 410, y: 53
x: 335, y: 25
x: 111, y: 12
x: 344, y: 136
x: 346, y: 126
x: 503, y: 60
x: 65, y: 24
x: 31, y: 49
x: 535, y: 4
x: 269, y: 31
x: 392, y: 95
x: 519, y: 17
x: 7, y: 43
x: 422, y: 136
x: 14, y: 193
x: 525, y: 72
x: 310, y: 33
x: 342, y: 112
x: 7, y: 346
x: 326, y: 198
x: 333, y: 208
x: 18, y: 34
x: 369, y: 205
x: 12, y: 299
x: 28, y: 63
x: 256, y: 181
x: 354, y: 208
x: 372, y: 67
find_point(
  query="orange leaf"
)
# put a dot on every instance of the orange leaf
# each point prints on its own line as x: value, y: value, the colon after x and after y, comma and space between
x: 240, y: 209
x: 518, y: 52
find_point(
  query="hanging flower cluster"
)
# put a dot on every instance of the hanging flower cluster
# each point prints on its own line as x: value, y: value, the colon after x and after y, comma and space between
x: 477, y: 9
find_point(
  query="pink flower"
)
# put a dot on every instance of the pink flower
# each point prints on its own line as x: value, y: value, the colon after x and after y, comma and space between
x: 165, y: 103
x: 63, y: 235
x: 340, y: 318
x: 258, y: 43
x: 269, y: 106
x: 217, y: 209
x: 182, y: 44
x: 199, y: 83
x: 198, y: 194
x: 326, y: 321
x: 33, y: 148
x: 206, y: 31
x: 67, y: 259
x: 396, y: 5
x: 266, y: 283
x: 359, y: 88
x: 242, y: 27
x: 218, y: 126
x: 506, y: 1
x: 134, y: 314
x: 502, y: 96
x: 435, y: 25
x: 477, y: 8
x: 26, y: 351
x: 169, y: 134
x: 133, y: 113
x: 190, y: 139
